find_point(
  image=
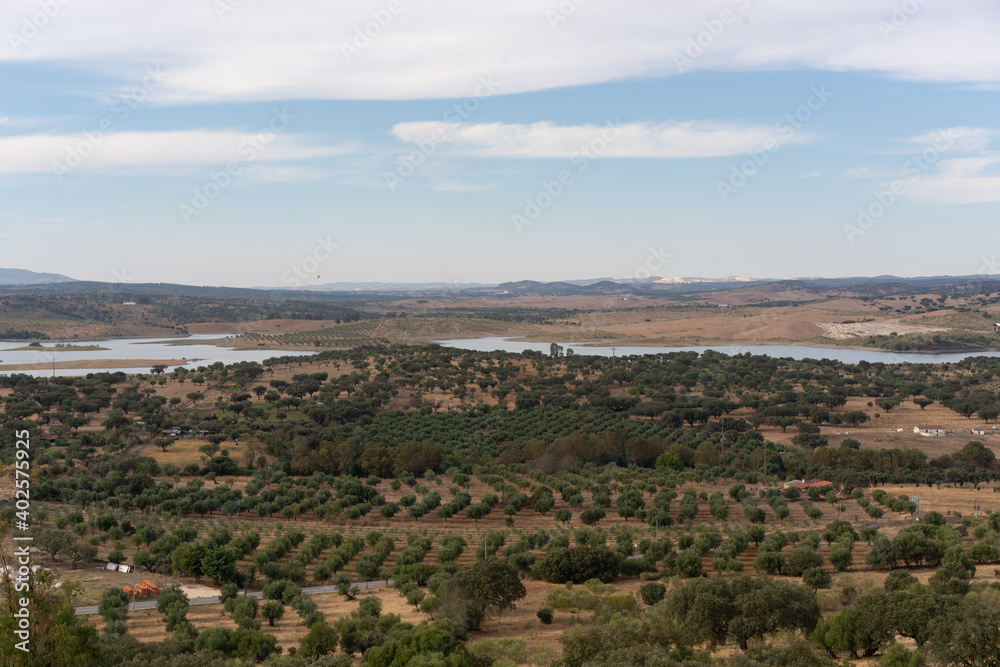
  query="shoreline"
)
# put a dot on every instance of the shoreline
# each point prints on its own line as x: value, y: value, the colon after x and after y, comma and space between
x: 73, y: 348
x: 98, y: 365
x: 618, y: 342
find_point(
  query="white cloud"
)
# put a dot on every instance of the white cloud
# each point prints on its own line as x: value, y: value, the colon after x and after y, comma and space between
x: 36, y: 153
x: 267, y: 49
x: 958, y: 139
x: 972, y: 177
x: 630, y: 140
x: 959, y: 190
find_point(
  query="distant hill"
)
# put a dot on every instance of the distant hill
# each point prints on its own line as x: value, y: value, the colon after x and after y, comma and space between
x: 25, y: 277
x: 535, y: 288
x: 379, y: 287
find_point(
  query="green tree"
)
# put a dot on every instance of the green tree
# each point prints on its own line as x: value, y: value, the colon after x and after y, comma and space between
x: 57, y: 637
x: 898, y: 655
x: 864, y: 627
x: 81, y: 551
x: 272, y: 611
x: 816, y: 578
x: 245, y: 613
x: 898, y: 580
x: 320, y: 640
x: 490, y: 583
x: 173, y: 604
x: 54, y: 541
x: 652, y: 592
x: 114, y: 610
x: 578, y: 564
x: 970, y: 634
x: 742, y: 609
x: 801, y: 559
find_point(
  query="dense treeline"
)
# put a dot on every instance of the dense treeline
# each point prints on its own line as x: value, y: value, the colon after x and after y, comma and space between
x: 384, y: 411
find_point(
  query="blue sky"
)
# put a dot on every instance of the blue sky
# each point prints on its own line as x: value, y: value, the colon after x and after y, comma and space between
x: 235, y: 143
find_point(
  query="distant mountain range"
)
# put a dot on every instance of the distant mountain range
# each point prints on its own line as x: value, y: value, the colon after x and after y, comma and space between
x: 858, y: 285
x: 445, y: 286
x: 25, y: 277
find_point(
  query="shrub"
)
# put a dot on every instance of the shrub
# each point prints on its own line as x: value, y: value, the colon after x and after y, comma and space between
x: 652, y: 592
x: 816, y: 578
x: 898, y: 580
x: 545, y: 615
x: 578, y: 564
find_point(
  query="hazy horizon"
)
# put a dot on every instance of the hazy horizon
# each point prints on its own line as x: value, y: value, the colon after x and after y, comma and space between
x: 244, y: 145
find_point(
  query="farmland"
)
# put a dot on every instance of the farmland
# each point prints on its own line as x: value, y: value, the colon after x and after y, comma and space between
x: 431, y: 467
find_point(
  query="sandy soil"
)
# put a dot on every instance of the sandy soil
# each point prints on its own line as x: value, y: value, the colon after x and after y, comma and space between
x: 193, y: 591
x: 884, y: 328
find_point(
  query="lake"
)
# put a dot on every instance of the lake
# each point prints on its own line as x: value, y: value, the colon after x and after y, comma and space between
x: 133, y: 348
x: 846, y: 355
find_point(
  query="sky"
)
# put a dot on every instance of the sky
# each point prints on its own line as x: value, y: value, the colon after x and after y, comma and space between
x: 266, y: 143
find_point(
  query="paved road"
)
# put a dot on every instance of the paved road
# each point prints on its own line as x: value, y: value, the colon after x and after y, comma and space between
x: 311, y: 590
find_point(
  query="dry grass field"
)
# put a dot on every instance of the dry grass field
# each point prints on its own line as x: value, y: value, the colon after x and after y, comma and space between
x: 882, y: 431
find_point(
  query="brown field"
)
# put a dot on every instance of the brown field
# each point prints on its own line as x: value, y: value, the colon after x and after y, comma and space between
x: 881, y: 432
x: 148, y: 625
x: 644, y: 321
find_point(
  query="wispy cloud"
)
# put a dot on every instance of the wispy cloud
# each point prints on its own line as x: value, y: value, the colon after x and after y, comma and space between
x: 960, y: 139
x: 971, y: 177
x: 36, y: 153
x: 691, y: 139
x: 261, y: 51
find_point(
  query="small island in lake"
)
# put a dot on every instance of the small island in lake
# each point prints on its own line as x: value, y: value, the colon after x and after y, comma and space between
x: 58, y: 347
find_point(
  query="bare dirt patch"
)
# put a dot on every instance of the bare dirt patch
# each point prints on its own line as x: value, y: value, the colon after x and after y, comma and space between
x: 839, y: 331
